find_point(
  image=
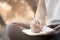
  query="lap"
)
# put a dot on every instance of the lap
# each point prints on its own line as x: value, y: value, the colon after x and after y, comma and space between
x: 54, y: 37
x: 14, y: 32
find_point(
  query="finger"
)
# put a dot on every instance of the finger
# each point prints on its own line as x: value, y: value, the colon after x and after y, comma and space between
x: 57, y: 29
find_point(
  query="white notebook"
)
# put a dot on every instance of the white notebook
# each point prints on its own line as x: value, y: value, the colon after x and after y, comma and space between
x: 44, y: 31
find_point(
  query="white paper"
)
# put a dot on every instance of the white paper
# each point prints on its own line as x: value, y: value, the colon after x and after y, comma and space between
x: 44, y: 31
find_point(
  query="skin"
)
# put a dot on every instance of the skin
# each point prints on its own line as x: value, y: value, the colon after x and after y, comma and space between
x: 39, y: 20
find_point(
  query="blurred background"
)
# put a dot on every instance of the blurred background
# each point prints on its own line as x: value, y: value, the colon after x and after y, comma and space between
x: 15, y: 11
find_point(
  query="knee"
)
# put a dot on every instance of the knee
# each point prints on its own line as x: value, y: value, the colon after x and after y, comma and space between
x: 13, y: 31
x: 14, y: 27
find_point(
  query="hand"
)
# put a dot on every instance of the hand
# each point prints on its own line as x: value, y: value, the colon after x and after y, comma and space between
x: 35, y: 27
x: 57, y: 29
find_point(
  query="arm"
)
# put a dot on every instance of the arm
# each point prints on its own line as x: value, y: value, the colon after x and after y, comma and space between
x: 39, y: 19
